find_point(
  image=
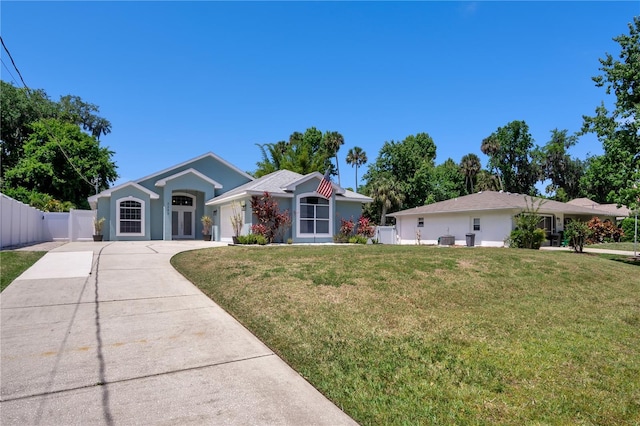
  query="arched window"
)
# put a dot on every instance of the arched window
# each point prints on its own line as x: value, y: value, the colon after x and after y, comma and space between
x: 314, y: 216
x: 130, y: 217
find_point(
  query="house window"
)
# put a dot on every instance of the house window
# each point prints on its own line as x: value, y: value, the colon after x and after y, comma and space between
x: 182, y: 200
x: 314, y: 216
x: 130, y: 217
x: 476, y: 223
x: 421, y: 222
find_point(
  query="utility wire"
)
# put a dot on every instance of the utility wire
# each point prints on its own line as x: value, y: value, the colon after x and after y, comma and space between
x: 51, y: 135
x: 13, y: 62
x: 13, y: 79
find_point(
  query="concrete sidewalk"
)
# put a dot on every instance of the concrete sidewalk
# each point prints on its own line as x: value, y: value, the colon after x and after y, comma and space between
x: 133, y: 342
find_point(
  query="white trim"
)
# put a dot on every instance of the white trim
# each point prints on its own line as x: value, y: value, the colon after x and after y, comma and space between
x: 293, y: 185
x: 162, y: 182
x: 314, y: 235
x: 220, y: 199
x: 182, y: 209
x: 108, y: 192
x: 142, y: 216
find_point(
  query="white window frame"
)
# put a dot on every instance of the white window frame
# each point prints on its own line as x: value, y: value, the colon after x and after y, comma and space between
x: 473, y: 224
x: 421, y: 222
x: 298, y: 218
x: 142, y: 215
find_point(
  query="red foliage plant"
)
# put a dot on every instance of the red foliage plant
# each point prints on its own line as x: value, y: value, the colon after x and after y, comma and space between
x: 603, y: 232
x: 272, y: 223
x: 365, y: 227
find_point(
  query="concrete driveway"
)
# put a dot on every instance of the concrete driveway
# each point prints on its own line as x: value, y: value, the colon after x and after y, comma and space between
x: 110, y: 333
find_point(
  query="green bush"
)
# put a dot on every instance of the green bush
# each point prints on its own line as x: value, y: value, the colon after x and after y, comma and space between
x: 529, y: 239
x: 252, y: 239
x: 627, y: 226
x: 358, y: 239
x: 577, y: 233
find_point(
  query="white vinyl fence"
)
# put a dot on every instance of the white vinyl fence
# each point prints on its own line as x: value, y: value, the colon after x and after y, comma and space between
x: 22, y: 224
x: 386, y: 234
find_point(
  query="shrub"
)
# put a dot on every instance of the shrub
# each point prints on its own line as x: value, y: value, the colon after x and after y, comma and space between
x: 603, y: 232
x: 358, y: 239
x: 527, y: 234
x: 577, y: 233
x: 252, y: 239
x: 274, y: 222
x: 346, y: 227
x: 526, y: 239
x: 628, y: 228
x: 365, y: 227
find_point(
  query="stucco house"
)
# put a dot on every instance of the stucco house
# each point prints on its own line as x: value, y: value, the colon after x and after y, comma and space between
x: 489, y: 215
x: 314, y: 219
x: 168, y: 205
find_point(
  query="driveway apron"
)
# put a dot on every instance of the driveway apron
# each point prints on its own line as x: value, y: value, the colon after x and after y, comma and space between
x: 110, y: 333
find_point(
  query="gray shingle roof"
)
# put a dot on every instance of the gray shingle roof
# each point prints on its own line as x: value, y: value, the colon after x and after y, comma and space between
x: 491, y: 200
x: 274, y: 184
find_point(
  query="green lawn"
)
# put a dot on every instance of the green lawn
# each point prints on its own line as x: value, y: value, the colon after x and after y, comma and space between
x: 427, y: 335
x: 614, y: 246
x: 13, y: 263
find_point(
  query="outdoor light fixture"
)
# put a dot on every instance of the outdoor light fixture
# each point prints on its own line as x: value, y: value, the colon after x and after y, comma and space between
x: 215, y: 212
x: 243, y: 205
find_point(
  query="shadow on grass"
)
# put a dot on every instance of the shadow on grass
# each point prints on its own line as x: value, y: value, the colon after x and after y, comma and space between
x: 635, y: 261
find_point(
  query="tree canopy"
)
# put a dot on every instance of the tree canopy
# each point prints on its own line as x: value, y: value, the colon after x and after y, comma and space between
x: 615, y: 175
x: 52, y: 149
x: 303, y: 153
x: 510, y: 151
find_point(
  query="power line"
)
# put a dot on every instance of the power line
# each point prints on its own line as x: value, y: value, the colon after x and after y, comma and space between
x: 13, y: 79
x: 13, y: 62
x: 48, y: 128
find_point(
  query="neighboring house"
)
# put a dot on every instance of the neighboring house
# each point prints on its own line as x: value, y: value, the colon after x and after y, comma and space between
x: 314, y: 219
x: 489, y: 215
x: 168, y: 205
x: 620, y: 212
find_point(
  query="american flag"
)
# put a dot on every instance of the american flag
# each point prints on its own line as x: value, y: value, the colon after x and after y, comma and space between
x: 325, y: 188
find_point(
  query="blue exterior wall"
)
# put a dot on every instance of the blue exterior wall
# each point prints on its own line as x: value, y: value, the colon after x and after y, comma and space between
x: 129, y: 192
x: 158, y: 211
x: 347, y: 210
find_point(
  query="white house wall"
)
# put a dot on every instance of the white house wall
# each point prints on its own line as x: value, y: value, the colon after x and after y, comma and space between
x: 494, y: 228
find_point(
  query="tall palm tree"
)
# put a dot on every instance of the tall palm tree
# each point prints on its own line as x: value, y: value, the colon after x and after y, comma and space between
x: 356, y: 157
x: 387, y: 192
x: 490, y: 147
x: 333, y: 141
x: 470, y: 166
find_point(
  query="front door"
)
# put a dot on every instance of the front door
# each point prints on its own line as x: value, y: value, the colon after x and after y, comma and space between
x: 183, y: 211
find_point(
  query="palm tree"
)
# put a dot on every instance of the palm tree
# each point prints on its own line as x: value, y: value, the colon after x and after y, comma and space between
x: 490, y: 146
x: 470, y: 166
x: 356, y: 157
x: 387, y: 192
x: 333, y: 141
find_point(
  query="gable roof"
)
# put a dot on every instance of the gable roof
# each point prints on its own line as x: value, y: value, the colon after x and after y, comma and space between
x: 282, y: 183
x: 621, y: 211
x: 163, y: 182
x: 492, y: 200
x: 200, y: 157
x: 107, y: 192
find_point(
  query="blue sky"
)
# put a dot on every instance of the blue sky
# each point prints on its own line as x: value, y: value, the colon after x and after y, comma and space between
x: 177, y: 80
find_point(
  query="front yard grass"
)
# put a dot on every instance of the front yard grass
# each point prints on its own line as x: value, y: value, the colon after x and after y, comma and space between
x: 13, y: 263
x: 427, y: 335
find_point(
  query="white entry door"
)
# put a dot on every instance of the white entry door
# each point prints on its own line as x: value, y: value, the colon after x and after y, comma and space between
x: 183, y: 220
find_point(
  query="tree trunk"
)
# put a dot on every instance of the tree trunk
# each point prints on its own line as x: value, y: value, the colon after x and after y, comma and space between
x: 383, y: 216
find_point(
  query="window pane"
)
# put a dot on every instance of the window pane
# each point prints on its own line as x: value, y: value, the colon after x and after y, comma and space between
x: 322, y: 212
x: 127, y: 226
x: 307, y: 211
x: 306, y: 226
x: 181, y: 200
x: 322, y: 226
